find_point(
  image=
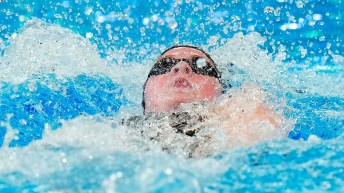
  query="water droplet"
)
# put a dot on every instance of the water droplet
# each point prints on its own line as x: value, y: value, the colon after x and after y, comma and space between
x: 311, y: 23
x: 154, y: 17
x: 168, y: 171
x: 58, y: 16
x: 22, y: 18
x: 14, y: 35
x: 145, y: 21
x: 172, y: 24
x: 9, y: 12
x: 299, y: 4
x: 269, y: 9
x: 317, y: 17
x: 88, y: 10
x: 23, y: 122
x: 213, y: 40
x: 89, y: 35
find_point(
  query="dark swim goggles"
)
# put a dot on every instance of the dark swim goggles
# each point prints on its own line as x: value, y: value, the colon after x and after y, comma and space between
x: 198, y: 65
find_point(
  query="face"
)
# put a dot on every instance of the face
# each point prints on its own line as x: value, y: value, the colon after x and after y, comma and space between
x: 180, y: 84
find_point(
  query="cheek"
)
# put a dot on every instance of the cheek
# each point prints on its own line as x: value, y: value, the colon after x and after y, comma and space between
x: 155, y: 88
x: 209, y: 88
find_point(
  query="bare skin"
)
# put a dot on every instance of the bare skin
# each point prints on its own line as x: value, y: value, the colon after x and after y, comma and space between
x: 181, y: 85
x: 239, y: 115
x: 246, y: 119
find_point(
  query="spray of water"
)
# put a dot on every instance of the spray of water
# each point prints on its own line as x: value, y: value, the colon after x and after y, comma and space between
x: 42, y: 49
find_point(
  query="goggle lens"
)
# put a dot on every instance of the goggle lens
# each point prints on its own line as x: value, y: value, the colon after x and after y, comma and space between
x: 198, y: 65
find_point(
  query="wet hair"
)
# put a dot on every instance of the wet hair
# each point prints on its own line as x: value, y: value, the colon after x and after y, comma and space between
x: 181, y: 46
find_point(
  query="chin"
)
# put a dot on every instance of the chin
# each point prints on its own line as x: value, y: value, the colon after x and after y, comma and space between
x: 183, y: 90
x: 183, y: 94
x: 184, y: 99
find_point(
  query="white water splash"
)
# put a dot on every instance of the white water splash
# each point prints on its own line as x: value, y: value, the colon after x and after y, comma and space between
x: 261, y: 67
x: 243, y: 51
x: 42, y: 48
x: 68, y: 54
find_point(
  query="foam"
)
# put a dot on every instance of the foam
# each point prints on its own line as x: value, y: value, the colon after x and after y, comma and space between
x: 87, y: 136
x: 89, y: 139
x: 59, y: 164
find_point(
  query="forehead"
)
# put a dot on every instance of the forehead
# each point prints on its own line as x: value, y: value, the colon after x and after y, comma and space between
x: 184, y: 52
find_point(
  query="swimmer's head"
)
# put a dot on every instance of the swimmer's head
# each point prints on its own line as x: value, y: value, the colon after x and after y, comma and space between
x: 182, y: 74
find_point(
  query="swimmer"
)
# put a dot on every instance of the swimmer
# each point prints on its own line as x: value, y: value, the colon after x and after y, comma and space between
x: 185, y: 74
x: 182, y: 74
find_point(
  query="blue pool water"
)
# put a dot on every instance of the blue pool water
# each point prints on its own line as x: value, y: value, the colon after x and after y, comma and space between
x: 68, y: 67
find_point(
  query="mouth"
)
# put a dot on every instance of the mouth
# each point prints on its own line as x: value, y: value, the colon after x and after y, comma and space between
x: 182, y: 83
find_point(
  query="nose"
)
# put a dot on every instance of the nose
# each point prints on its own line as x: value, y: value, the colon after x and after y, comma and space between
x: 181, y: 68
